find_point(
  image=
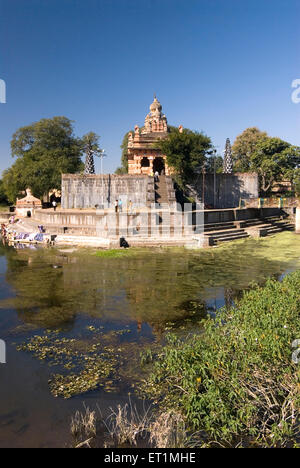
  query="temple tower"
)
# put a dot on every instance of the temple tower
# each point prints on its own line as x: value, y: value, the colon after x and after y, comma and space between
x: 89, y: 167
x: 144, y: 157
x: 228, y: 162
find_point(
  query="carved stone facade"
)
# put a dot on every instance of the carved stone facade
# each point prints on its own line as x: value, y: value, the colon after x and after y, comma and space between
x: 143, y: 155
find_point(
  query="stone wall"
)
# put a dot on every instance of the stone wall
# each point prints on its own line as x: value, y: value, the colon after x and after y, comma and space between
x: 89, y: 191
x: 227, y: 190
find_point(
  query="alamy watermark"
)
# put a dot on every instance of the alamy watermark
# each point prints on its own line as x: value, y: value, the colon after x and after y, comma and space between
x: 2, y: 92
x: 296, y: 353
x: 2, y: 352
x: 296, y: 92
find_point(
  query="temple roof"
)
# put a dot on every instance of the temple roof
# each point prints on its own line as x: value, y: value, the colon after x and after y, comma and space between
x: 29, y: 199
x: 156, y: 105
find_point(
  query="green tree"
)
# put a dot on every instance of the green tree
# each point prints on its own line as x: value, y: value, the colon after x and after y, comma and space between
x: 3, y: 196
x: 244, y: 146
x: 296, y: 182
x: 186, y: 153
x: 214, y: 163
x: 124, y: 158
x: 274, y: 160
x: 44, y: 150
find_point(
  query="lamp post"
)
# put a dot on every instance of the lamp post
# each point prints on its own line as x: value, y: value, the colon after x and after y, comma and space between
x: 215, y: 176
x: 102, y: 155
x: 203, y: 185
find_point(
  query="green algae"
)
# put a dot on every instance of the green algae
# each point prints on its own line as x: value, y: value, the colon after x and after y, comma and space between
x: 85, y: 364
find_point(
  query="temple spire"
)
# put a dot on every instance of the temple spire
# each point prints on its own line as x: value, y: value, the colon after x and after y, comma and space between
x: 228, y: 162
x: 89, y: 167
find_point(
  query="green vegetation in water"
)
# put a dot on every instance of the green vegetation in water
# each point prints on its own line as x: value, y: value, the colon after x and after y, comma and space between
x: 91, y: 363
x: 118, y: 253
x: 136, y: 252
x: 237, y: 381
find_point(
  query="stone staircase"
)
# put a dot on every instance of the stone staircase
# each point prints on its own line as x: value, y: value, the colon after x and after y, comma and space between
x: 161, y: 191
x: 229, y: 231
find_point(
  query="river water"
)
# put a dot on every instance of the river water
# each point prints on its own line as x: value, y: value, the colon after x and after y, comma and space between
x: 58, y: 303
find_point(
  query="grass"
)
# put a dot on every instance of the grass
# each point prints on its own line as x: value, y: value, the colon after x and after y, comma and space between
x: 117, y: 253
x: 237, y: 381
x: 136, y: 251
x: 125, y: 426
x: 4, y: 208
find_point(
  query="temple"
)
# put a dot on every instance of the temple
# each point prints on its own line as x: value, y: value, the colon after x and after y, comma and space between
x: 144, y: 156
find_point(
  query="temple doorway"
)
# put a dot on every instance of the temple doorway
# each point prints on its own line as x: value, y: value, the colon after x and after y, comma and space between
x: 145, y: 166
x: 145, y: 162
x: 159, y: 166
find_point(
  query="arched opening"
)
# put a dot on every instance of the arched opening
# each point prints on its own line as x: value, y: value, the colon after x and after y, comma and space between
x: 159, y: 166
x: 145, y: 162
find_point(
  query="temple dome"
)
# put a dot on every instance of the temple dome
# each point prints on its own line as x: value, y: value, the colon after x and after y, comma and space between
x: 156, y: 105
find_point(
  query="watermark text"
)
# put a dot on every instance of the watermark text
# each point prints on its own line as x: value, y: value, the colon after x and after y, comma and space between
x: 2, y: 352
x: 296, y: 353
x: 2, y: 92
x: 296, y: 92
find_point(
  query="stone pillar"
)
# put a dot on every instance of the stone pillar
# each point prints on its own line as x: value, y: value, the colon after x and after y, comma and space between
x: 151, y: 159
x: 298, y: 219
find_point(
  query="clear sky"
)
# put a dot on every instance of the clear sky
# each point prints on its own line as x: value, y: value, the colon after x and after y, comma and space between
x: 216, y: 65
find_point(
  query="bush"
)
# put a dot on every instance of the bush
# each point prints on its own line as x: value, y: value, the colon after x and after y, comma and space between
x: 237, y: 381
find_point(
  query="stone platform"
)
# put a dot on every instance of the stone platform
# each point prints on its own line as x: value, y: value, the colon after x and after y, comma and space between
x: 159, y: 227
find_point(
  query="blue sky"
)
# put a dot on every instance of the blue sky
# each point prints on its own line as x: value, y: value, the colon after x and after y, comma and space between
x: 216, y: 65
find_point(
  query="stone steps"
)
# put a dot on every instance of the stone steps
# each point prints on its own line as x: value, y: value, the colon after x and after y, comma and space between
x: 219, y: 227
x: 225, y: 236
x: 161, y: 191
x: 242, y: 235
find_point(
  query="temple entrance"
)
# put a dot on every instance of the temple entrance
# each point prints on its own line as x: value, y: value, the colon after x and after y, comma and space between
x: 145, y: 162
x: 159, y: 166
x: 145, y: 166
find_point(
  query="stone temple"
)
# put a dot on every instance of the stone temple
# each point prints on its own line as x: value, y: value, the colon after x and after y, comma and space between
x: 144, y: 157
x: 89, y: 191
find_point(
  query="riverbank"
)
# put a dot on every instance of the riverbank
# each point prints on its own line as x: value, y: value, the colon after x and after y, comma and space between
x: 239, y: 381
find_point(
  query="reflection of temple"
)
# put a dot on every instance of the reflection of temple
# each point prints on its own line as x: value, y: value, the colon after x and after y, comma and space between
x: 143, y: 156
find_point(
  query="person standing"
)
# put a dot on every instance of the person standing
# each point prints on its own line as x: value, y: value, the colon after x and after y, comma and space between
x: 54, y: 204
x: 116, y: 206
x: 120, y: 206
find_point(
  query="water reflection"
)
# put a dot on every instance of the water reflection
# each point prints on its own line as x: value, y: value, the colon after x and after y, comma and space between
x: 52, y: 289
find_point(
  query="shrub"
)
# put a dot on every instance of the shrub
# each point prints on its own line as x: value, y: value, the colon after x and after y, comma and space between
x: 237, y: 379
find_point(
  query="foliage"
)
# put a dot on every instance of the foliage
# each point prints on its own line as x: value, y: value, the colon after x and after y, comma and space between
x: 274, y: 160
x: 296, y: 181
x: 244, y: 146
x: 124, y: 158
x: 237, y: 380
x: 44, y: 150
x: 121, y: 171
x: 3, y: 196
x: 186, y: 153
x: 214, y: 163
